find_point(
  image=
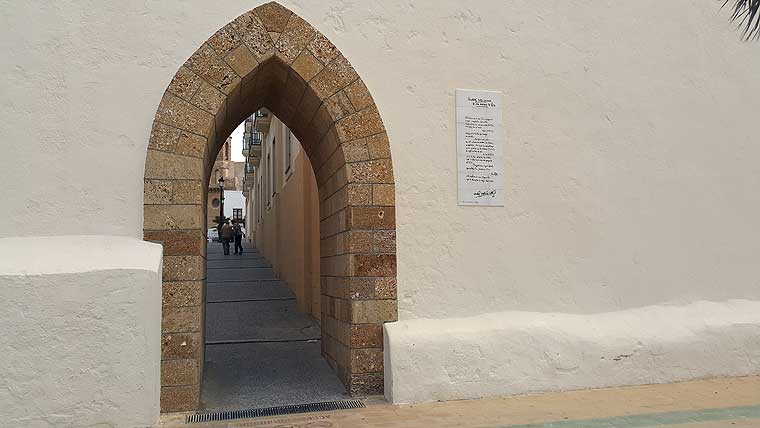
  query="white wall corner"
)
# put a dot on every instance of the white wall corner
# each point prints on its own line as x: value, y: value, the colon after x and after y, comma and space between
x: 82, y: 316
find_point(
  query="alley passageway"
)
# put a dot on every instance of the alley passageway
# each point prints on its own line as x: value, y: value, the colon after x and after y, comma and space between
x: 260, y: 350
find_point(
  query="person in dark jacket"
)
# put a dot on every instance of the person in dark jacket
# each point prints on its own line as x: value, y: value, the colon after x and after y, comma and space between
x: 225, y: 235
x: 237, y: 230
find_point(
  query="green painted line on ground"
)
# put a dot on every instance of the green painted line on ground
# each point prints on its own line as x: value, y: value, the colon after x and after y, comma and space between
x: 651, y: 419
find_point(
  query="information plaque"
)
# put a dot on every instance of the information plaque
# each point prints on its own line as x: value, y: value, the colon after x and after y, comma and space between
x: 480, y: 147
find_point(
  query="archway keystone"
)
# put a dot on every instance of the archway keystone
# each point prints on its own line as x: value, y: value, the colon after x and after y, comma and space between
x: 270, y: 57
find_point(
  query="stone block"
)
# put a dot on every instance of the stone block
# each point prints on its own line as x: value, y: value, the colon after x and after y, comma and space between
x: 180, y: 346
x: 322, y: 49
x: 178, y: 242
x: 225, y: 40
x: 359, y: 95
x: 206, y: 63
x: 307, y: 66
x: 334, y: 224
x: 157, y: 191
x: 384, y: 241
x: 366, y: 335
x: 373, y: 311
x: 378, y: 146
x: 188, y: 144
x: 376, y: 171
x: 163, y: 137
x: 368, y: 360
x: 181, y: 319
x: 355, y: 151
x: 184, y: 83
x: 254, y: 34
x: 361, y: 124
x: 187, y: 192
x: 334, y: 266
x: 365, y: 384
x: 178, y: 113
x: 180, y: 372
x: 208, y: 98
x: 294, y: 38
x: 184, y: 268
x: 385, y: 288
x: 361, y: 288
x: 359, y: 194
x: 163, y: 165
x: 182, y: 293
x: 358, y: 241
x: 274, y: 16
x: 335, y: 76
x: 373, y: 264
x: 384, y: 195
x: 372, y: 217
x: 180, y: 398
x: 242, y: 61
x: 172, y: 217
x: 294, y: 89
x: 339, y: 106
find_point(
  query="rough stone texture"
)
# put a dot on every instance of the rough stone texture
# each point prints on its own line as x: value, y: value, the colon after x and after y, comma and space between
x: 307, y: 66
x: 207, y: 64
x: 182, y: 293
x: 334, y: 77
x: 254, y: 35
x: 185, y: 83
x: 241, y: 60
x: 322, y: 49
x: 180, y: 346
x: 172, y: 217
x: 178, y: 242
x: 178, y: 113
x: 208, y: 98
x: 359, y: 95
x: 180, y: 372
x: 296, y: 35
x: 181, y: 319
x: 274, y: 16
x: 184, y: 268
x: 373, y: 311
x: 180, y: 398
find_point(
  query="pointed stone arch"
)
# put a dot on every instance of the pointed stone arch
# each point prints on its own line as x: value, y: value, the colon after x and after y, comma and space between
x: 270, y: 57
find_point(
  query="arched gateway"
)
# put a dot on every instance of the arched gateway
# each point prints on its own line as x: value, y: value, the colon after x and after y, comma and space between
x: 270, y: 57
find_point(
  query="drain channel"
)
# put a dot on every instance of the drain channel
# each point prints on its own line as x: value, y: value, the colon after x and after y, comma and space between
x: 275, y: 411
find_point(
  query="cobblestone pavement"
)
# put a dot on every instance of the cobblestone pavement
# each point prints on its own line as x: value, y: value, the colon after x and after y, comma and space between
x: 719, y: 403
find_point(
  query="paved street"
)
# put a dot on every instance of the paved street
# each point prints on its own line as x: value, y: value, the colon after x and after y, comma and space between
x: 260, y: 350
x: 721, y: 403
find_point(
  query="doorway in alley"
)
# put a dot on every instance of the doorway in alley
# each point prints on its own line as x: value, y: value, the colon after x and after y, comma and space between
x: 271, y: 58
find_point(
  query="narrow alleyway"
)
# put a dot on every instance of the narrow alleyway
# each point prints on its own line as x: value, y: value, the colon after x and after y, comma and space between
x: 260, y: 350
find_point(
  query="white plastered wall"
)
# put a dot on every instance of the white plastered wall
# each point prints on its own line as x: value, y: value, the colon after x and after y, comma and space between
x: 81, y: 325
x: 631, y: 154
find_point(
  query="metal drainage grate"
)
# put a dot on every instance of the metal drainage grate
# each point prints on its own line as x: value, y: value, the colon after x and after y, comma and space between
x: 274, y: 411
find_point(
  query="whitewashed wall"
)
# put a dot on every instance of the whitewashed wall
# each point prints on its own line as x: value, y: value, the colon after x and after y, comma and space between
x: 632, y: 138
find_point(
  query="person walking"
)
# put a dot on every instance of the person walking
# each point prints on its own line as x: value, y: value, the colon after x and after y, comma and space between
x: 238, y: 232
x: 225, y: 235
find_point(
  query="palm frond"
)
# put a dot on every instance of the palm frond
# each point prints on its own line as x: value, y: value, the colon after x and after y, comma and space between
x: 747, y: 14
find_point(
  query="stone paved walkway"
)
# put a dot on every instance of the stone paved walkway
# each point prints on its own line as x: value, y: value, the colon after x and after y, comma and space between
x: 720, y: 403
x: 260, y: 350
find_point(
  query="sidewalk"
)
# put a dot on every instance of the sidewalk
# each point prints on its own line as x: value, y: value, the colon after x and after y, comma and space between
x: 720, y: 403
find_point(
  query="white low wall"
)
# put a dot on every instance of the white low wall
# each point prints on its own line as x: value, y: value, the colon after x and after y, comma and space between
x: 511, y: 353
x: 81, y: 338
